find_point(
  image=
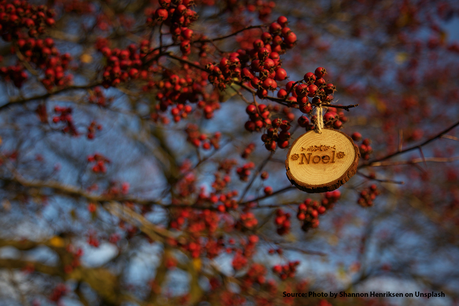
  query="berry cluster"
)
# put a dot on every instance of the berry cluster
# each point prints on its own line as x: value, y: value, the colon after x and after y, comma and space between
x: 179, y: 219
x: 264, y: 8
x: 20, y: 15
x: 303, y: 121
x: 170, y: 263
x: 282, y: 221
x: 244, y: 171
x: 228, y: 297
x: 247, y: 221
x: 259, y: 117
x: 45, y: 56
x: 226, y: 71
x: 115, y: 188
x: 65, y: 116
x: 76, y: 254
x: 15, y: 73
x: 100, y: 163
x: 175, y: 90
x: 58, y: 292
x: 203, y: 221
x: 239, y: 261
x: 209, y: 107
x: 180, y: 111
x: 78, y: 7
x: 309, y: 211
x: 265, y: 67
x: 248, y: 150
x: 312, y: 86
x: 287, y: 270
x: 213, y: 247
x: 176, y: 14
x: 228, y: 201
x: 365, y: 148
x: 368, y: 195
x: 334, y: 118
x: 277, y: 136
x: 97, y: 97
x: 124, y: 65
x: 187, y: 186
x: 114, y: 238
x: 316, y: 86
x: 255, y: 275
x: 200, y: 246
x: 288, y: 112
x: 220, y: 182
x: 93, y: 240
x: 227, y: 165
x: 92, y: 129
x: 245, y: 251
x: 201, y: 140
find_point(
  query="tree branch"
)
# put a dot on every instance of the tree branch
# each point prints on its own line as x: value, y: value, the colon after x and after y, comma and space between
x: 22, y: 101
x: 267, y: 196
x: 378, y: 160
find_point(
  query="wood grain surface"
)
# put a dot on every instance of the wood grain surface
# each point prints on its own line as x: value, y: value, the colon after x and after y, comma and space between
x: 319, y: 162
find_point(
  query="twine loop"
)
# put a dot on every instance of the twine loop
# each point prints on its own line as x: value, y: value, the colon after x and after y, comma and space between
x: 319, y: 118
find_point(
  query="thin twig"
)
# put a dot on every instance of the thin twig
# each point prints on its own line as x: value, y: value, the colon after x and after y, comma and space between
x: 207, y: 40
x: 267, y: 196
x: 284, y: 101
x: 21, y: 101
x: 450, y: 137
x: 255, y: 175
x: 307, y: 252
x: 376, y: 162
x: 70, y: 190
x: 379, y: 180
x: 417, y: 161
x: 133, y: 218
x: 423, y: 157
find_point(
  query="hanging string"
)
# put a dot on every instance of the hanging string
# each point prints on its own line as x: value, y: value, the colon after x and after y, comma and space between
x: 319, y: 119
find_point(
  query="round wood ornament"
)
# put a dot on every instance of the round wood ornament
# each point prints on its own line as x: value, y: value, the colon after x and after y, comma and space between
x: 319, y: 162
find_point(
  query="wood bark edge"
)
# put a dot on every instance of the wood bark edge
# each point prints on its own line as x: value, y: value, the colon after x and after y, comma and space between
x: 335, y: 184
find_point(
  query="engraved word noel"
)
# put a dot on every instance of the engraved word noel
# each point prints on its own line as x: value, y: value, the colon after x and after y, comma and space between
x: 318, y: 155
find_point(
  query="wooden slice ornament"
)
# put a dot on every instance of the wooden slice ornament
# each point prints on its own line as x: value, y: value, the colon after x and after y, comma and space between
x: 322, y: 160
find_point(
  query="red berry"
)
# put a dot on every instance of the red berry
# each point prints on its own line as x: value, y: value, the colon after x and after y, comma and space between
x: 283, y: 144
x: 275, y: 28
x: 281, y: 74
x: 268, y: 190
x: 282, y: 93
x: 291, y: 38
x: 303, y: 121
x: 206, y: 146
x: 320, y: 72
x: 251, y: 109
x: 161, y: 14
x: 356, y: 136
x: 282, y: 20
x: 306, y: 108
x: 312, y: 89
x: 309, y: 78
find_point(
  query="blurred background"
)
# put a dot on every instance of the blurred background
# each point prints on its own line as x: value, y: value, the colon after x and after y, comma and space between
x: 103, y: 188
